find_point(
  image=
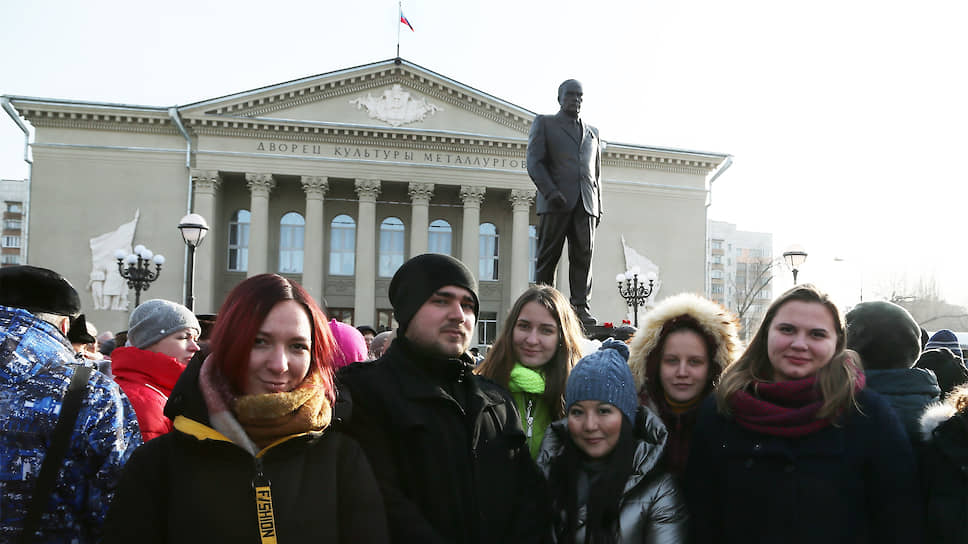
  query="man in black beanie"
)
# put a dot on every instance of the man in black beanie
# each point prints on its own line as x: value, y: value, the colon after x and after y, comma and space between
x: 37, y: 366
x: 446, y: 445
x: 888, y: 340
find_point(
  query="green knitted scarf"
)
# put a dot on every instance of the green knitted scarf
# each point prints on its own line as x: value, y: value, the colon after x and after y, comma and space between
x: 526, y: 380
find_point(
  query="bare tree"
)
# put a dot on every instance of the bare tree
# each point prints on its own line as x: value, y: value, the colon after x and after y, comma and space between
x: 927, y: 305
x: 748, y: 288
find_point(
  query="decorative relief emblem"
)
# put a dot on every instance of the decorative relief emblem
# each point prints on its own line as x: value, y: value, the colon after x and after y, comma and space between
x: 396, y: 107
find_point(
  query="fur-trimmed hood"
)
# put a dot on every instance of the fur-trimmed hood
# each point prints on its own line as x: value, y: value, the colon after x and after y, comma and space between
x: 937, y: 413
x: 719, y: 323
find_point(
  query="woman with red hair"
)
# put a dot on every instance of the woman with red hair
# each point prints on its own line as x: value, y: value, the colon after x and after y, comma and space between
x: 251, y: 455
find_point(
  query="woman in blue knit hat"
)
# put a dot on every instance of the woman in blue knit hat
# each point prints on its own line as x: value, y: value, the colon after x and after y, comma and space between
x: 602, y: 460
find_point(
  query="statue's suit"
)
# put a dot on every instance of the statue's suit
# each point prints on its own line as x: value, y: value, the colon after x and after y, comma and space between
x: 564, y: 155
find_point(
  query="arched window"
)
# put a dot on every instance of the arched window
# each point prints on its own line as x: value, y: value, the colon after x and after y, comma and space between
x: 391, y: 246
x: 532, y: 251
x: 342, y: 246
x: 239, y: 241
x: 439, y: 238
x: 292, y: 226
x: 488, y: 252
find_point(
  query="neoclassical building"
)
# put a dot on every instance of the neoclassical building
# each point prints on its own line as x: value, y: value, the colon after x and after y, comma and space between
x: 335, y: 180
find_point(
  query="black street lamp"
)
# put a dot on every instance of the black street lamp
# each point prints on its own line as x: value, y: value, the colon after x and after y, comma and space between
x: 136, y: 268
x: 794, y: 257
x: 193, y: 229
x: 635, y: 294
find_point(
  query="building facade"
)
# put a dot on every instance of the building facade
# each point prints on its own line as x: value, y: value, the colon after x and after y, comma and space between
x: 14, y: 199
x: 741, y: 269
x: 334, y: 180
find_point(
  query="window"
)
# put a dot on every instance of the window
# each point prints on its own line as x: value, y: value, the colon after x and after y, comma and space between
x: 717, y: 244
x: 487, y: 328
x: 344, y: 315
x: 488, y: 252
x: 11, y: 241
x: 292, y: 227
x: 716, y: 274
x: 384, y: 320
x: 15, y: 207
x: 9, y: 259
x: 717, y: 259
x: 342, y: 246
x: 439, y: 238
x: 13, y: 224
x: 239, y: 241
x: 532, y: 252
x: 717, y: 289
x: 391, y: 246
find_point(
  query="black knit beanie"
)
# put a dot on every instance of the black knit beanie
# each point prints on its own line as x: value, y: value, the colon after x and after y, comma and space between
x: 421, y: 277
x: 884, y: 334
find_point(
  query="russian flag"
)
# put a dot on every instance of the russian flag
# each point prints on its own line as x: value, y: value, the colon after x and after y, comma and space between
x: 403, y: 19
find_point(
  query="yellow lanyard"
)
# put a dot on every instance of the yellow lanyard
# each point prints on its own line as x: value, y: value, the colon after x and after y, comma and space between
x: 263, y: 505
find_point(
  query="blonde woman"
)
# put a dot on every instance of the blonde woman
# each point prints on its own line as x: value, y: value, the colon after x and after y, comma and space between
x: 794, y: 449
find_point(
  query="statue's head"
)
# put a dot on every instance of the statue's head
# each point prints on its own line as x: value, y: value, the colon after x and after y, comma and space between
x: 570, y: 96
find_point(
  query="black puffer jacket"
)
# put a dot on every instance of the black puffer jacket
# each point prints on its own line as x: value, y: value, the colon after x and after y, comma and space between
x: 194, y: 485
x: 447, y: 473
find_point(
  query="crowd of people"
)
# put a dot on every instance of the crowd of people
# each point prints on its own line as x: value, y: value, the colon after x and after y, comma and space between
x: 270, y: 422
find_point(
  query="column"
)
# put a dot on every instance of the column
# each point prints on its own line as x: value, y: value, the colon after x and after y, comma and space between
x: 314, y: 242
x: 205, y: 184
x: 364, y: 303
x: 259, y: 185
x: 521, y: 200
x: 473, y: 196
x: 420, y: 195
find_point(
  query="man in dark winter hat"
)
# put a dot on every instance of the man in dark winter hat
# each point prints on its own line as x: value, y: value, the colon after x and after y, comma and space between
x: 38, y: 366
x: 945, y: 338
x: 446, y: 445
x: 888, y: 340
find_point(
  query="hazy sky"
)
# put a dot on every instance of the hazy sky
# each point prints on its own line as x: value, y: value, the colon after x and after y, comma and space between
x: 846, y: 119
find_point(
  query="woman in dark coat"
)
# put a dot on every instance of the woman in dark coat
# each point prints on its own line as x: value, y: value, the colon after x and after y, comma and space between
x: 944, y: 427
x: 251, y: 458
x: 791, y: 447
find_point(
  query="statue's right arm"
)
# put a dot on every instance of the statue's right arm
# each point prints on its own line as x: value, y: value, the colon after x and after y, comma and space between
x: 537, y: 154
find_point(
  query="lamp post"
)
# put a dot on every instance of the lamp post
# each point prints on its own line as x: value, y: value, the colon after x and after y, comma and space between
x: 136, y: 268
x: 634, y: 293
x: 193, y: 229
x: 794, y: 257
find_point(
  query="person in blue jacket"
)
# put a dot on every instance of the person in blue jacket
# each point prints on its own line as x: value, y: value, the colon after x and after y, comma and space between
x: 792, y: 448
x: 37, y: 364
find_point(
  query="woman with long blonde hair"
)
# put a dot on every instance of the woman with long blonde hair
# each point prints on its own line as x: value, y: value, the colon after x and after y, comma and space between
x: 794, y: 449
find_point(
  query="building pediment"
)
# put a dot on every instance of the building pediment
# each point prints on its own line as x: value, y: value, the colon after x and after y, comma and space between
x: 384, y: 95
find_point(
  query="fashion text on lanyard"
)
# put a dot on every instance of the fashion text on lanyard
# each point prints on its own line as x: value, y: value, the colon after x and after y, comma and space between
x: 263, y: 505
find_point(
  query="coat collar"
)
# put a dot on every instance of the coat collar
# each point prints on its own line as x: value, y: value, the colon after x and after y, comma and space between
x: 650, y: 432
x: 151, y: 367
x: 564, y: 123
x: 416, y: 382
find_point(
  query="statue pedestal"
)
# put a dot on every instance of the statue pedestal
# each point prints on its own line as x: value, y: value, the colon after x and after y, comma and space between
x: 600, y: 332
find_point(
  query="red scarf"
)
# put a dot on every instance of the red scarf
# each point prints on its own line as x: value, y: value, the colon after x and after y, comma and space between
x: 785, y: 409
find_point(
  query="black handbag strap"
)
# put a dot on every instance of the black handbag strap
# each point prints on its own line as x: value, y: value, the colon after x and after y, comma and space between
x: 59, y: 443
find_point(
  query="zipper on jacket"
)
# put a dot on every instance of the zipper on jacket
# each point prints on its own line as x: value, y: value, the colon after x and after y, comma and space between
x: 530, y: 419
x: 263, y: 504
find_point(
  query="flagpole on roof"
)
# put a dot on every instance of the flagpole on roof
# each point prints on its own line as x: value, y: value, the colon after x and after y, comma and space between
x: 399, y: 16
